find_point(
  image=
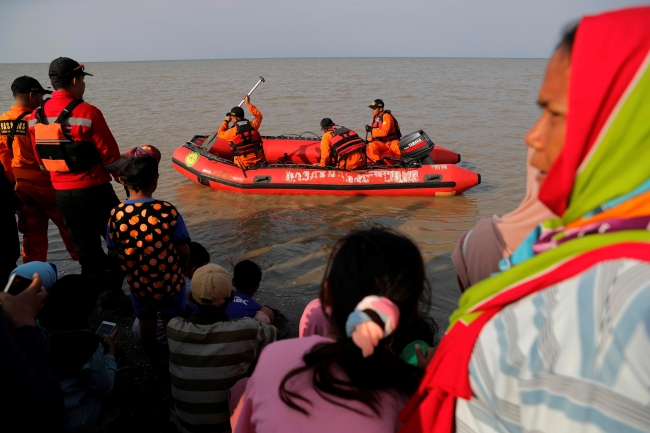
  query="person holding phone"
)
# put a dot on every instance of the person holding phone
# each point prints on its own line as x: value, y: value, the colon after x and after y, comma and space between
x: 83, y: 361
x: 29, y: 382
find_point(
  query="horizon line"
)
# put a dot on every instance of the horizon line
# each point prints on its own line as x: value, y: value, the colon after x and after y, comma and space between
x: 292, y: 58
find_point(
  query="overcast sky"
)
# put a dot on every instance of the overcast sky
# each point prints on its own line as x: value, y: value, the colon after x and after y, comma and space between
x: 116, y: 30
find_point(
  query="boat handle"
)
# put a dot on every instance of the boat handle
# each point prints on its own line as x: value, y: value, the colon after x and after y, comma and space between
x: 432, y: 178
x: 262, y: 179
x: 203, y: 180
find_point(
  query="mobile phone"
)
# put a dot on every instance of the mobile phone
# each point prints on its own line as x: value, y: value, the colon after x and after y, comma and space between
x: 17, y: 283
x: 105, y: 328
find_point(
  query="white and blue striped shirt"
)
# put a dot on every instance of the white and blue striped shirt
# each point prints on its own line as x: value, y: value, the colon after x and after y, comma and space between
x: 574, y: 357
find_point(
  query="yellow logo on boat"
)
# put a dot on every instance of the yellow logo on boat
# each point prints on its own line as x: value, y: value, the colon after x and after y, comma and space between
x: 192, y: 158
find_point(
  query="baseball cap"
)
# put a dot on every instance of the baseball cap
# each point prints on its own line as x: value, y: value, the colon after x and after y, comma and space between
x: 377, y: 103
x: 326, y: 122
x: 211, y: 285
x: 139, y: 166
x: 27, y: 84
x: 65, y: 67
x: 237, y: 112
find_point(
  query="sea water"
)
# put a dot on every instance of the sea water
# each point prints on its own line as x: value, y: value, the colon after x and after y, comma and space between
x: 480, y: 108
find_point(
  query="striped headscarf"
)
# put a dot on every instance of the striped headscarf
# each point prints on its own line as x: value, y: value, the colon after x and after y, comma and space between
x: 600, y: 185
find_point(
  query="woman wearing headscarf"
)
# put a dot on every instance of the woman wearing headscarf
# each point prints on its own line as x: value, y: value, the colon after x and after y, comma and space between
x: 560, y: 340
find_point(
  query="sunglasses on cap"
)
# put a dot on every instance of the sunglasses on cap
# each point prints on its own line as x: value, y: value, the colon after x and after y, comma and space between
x: 81, y: 68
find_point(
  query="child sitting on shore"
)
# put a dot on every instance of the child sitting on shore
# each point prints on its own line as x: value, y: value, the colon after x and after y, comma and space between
x: 151, y: 241
x: 246, y: 282
x: 351, y: 380
x: 209, y: 353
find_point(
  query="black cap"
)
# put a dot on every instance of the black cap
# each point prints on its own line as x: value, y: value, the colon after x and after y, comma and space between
x: 237, y: 112
x: 326, y: 123
x: 65, y: 67
x: 27, y: 84
x: 377, y: 103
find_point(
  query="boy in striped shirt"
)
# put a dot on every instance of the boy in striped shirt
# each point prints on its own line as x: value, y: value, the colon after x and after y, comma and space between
x: 209, y: 353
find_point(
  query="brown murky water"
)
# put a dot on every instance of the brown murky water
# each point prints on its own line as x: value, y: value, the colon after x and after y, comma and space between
x: 480, y: 108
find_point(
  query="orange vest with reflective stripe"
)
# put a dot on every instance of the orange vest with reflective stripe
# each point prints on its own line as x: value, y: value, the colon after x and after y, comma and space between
x: 57, y: 151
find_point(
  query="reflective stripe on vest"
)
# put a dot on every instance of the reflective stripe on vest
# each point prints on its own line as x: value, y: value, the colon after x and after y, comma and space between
x: 345, y: 141
x: 393, y: 134
x: 247, y: 140
x: 76, y: 121
x: 57, y: 151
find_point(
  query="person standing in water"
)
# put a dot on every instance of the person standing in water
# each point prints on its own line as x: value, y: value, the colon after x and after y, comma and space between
x: 245, y: 140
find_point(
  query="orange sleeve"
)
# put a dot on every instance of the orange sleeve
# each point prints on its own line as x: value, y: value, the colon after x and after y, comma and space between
x: 325, y: 149
x: 226, y: 134
x: 386, y: 126
x: 6, y: 158
x: 255, y: 123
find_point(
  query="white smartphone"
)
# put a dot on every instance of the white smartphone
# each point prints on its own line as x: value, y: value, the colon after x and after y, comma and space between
x: 17, y: 283
x: 105, y: 328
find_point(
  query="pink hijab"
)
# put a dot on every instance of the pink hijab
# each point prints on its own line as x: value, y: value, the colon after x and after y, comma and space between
x: 478, y: 252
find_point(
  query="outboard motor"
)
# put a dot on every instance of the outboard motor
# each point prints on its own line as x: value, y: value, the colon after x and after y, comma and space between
x: 416, y: 147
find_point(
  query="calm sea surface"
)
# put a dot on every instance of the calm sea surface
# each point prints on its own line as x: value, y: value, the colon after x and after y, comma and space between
x: 480, y: 108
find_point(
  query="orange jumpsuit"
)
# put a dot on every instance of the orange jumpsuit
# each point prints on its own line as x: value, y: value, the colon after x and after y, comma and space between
x: 353, y: 161
x: 376, y: 147
x: 224, y: 133
x: 34, y: 188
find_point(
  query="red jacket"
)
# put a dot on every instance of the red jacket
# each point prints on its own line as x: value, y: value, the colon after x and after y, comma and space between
x: 86, y: 123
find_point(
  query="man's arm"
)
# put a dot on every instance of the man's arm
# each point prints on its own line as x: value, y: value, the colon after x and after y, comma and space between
x: 226, y: 134
x: 255, y: 123
x: 6, y: 156
x: 105, y: 143
x: 32, y: 137
x: 386, y: 126
x: 325, y: 149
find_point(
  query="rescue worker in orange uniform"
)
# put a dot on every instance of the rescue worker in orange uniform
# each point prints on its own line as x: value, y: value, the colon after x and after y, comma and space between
x: 341, y: 147
x: 384, y: 133
x: 73, y: 142
x: 33, y: 186
x: 243, y: 135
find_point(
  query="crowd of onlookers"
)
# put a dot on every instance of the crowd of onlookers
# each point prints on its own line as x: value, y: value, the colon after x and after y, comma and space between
x: 551, y: 332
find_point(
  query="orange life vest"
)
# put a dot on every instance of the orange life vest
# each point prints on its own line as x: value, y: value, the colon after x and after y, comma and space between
x: 394, y: 134
x: 247, y: 140
x: 11, y: 127
x: 59, y: 152
x: 344, y: 141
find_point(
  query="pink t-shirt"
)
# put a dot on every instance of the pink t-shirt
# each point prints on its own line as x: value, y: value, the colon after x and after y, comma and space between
x: 263, y: 411
x: 313, y: 320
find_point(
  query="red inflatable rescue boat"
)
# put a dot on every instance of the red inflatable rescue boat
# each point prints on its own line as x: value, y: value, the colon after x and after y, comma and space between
x: 291, y: 170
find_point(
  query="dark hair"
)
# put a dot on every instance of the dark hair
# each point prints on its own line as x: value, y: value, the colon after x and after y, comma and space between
x: 367, y: 262
x: 568, y: 38
x: 70, y: 302
x: 247, y: 275
x: 63, y: 83
x: 198, y: 255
